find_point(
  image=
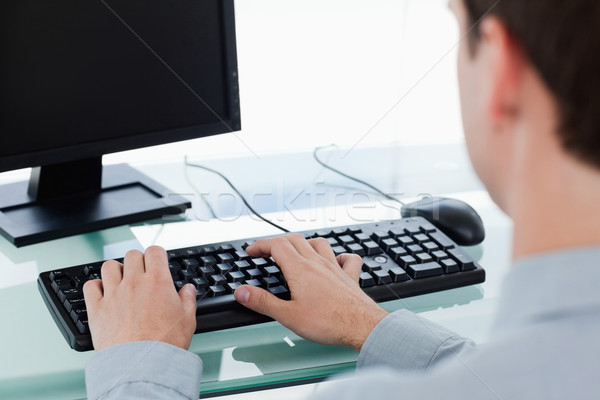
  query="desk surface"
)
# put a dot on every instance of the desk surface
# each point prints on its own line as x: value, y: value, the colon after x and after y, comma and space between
x: 37, y: 362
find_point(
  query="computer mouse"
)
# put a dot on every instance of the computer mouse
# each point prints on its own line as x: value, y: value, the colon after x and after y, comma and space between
x: 455, y: 218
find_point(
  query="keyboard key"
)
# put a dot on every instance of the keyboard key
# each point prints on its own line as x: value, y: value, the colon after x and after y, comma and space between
x: 427, y: 228
x: 216, y: 290
x: 270, y: 281
x: 332, y: 241
x: 362, y: 237
x: 371, y: 266
x: 387, y: 244
x: 190, y: 263
x: 340, y: 231
x: 412, y: 229
x: 277, y: 290
x: 423, y: 258
x: 397, y: 252
x: 421, y: 238
x: 406, y: 260
x: 398, y: 274
x: 200, y: 283
x: 405, y: 240
x: 356, y: 248
x: 241, y: 255
x: 187, y: 275
x: 226, y: 248
x: 72, y: 293
x: 206, y: 271
x: 430, y: 247
x: 395, y: 232
x: 208, y: 261
x: 439, y: 255
x: 418, y: 271
x: 241, y: 265
x: 82, y: 327
x: 224, y: 258
x: 231, y: 286
x: 235, y: 276
x: 223, y: 268
x: 62, y: 284
x: 345, y: 239
x: 179, y: 285
x: 366, y: 280
x: 462, y: 259
x: 218, y: 279
x: 69, y: 304
x: 208, y: 250
x: 253, y: 282
x: 91, y: 269
x: 259, y: 262
x: 381, y: 277
x: 272, y: 271
x: 354, y: 229
x: 372, y: 248
x: 450, y: 266
x: 337, y: 250
x: 252, y: 273
x: 379, y: 236
x: 78, y: 313
x: 191, y: 252
x: 441, y: 239
x: 201, y: 293
x: 414, y: 249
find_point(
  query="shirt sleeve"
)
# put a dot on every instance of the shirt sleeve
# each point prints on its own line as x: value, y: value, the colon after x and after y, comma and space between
x: 405, y: 341
x: 143, y: 370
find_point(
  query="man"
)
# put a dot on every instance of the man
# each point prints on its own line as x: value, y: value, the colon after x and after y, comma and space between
x: 529, y: 78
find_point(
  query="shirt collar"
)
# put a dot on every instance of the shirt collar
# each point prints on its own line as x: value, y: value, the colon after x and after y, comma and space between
x: 550, y: 285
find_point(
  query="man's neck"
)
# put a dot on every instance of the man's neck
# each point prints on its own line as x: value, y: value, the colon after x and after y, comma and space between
x: 556, y: 208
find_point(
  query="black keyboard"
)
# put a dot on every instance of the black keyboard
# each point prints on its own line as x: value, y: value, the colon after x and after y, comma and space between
x: 401, y: 258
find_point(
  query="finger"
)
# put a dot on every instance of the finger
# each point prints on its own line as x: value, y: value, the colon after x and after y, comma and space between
x: 261, y: 301
x: 156, y: 261
x: 133, y: 264
x: 112, y: 274
x: 187, y: 295
x: 283, y: 252
x: 351, y: 264
x: 323, y: 248
x: 302, y: 246
x: 92, y: 293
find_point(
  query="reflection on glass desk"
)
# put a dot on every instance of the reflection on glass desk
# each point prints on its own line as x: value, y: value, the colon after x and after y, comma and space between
x: 37, y: 363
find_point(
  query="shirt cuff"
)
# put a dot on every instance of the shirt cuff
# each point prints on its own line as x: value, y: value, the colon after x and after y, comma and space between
x: 165, y: 367
x: 405, y: 341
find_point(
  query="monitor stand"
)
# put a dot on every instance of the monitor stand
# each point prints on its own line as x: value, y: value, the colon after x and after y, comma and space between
x: 81, y: 196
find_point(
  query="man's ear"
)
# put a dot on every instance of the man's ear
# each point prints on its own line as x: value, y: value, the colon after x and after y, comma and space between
x: 504, y: 62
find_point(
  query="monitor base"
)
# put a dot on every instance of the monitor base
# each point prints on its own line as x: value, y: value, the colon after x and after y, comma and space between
x: 126, y: 196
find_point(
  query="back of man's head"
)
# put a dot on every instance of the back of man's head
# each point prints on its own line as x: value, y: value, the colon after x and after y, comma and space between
x: 562, y: 40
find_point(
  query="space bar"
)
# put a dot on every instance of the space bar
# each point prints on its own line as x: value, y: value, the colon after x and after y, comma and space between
x: 220, y: 303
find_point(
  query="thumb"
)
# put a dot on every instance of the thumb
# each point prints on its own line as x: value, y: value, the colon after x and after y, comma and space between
x: 187, y: 294
x: 260, y: 300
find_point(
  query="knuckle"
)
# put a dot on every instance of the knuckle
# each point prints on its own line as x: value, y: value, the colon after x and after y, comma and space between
x: 321, y: 241
x: 155, y: 251
x: 132, y: 253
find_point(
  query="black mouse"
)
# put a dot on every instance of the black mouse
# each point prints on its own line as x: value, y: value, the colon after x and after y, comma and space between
x: 455, y: 218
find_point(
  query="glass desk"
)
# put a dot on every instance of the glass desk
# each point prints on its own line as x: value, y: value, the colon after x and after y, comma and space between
x: 37, y: 362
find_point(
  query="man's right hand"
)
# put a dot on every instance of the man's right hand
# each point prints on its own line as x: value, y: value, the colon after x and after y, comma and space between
x: 327, y: 305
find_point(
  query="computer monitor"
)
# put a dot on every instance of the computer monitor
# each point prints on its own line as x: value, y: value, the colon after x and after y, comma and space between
x: 83, y: 78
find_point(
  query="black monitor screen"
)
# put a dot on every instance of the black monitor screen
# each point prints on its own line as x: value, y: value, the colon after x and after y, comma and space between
x: 112, y: 75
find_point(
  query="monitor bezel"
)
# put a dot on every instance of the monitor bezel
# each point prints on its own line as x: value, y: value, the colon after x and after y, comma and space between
x: 231, y: 123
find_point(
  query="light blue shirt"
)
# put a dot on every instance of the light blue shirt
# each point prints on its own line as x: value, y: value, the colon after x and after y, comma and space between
x: 544, y: 345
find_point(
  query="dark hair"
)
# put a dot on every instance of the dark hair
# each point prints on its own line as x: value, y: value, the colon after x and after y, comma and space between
x: 562, y: 40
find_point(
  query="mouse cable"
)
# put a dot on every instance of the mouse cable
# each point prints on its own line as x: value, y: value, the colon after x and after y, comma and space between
x: 252, y: 210
x: 325, y: 165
